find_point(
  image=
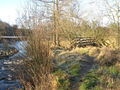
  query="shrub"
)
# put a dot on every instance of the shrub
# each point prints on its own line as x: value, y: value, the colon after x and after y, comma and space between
x: 38, y: 67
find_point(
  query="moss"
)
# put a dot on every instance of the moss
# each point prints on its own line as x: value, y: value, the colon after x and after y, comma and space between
x: 114, y: 71
x: 64, y: 84
x: 83, y: 87
x: 62, y: 79
x: 74, y: 70
x: 90, y: 81
x: 60, y: 74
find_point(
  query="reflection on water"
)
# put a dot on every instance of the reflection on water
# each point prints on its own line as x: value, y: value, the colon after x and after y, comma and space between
x: 20, y: 46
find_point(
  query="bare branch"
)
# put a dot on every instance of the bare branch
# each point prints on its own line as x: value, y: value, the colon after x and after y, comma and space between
x: 44, y: 1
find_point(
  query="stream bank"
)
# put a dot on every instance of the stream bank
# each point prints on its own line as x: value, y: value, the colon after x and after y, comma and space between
x: 9, y: 59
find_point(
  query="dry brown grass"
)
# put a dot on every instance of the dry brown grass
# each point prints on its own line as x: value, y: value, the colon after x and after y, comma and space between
x: 81, y: 50
x: 105, y: 55
x: 38, y: 67
x: 94, y: 51
x: 65, y: 43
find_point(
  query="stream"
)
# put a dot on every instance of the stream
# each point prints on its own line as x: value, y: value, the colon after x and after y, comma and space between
x: 7, y: 80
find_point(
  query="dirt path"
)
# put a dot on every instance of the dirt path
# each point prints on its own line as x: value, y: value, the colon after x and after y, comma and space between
x: 86, y: 66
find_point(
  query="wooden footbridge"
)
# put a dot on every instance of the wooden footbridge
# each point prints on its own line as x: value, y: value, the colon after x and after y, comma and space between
x: 83, y: 42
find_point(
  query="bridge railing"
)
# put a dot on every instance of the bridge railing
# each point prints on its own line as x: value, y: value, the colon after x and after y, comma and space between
x: 83, y: 42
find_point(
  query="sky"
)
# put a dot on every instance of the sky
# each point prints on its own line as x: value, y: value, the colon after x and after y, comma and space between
x: 9, y: 9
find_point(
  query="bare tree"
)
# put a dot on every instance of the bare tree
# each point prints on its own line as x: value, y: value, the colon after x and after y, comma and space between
x: 112, y: 9
x: 58, y: 12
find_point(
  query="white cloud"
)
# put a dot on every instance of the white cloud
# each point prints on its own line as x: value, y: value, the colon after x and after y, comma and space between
x: 8, y: 15
x: 9, y: 10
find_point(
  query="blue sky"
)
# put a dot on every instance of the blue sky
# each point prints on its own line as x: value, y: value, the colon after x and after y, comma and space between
x: 9, y: 10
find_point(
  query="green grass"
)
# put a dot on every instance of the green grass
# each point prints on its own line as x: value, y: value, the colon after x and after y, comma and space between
x: 62, y: 79
x: 113, y: 71
x: 89, y: 82
x: 63, y: 76
x: 75, y: 69
x: 101, y: 79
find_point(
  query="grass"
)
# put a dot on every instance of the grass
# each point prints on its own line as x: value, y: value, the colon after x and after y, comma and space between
x: 41, y: 77
x: 109, y: 77
x: 81, y: 50
x: 62, y: 79
x: 103, y: 78
x: 65, y: 44
x: 105, y: 55
x: 94, y: 51
x: 89, y: 82
x: 74, y: 70
x: 37, y: 71
x: 64, y: 75
x: 106, y: 75
x: 75, y: 51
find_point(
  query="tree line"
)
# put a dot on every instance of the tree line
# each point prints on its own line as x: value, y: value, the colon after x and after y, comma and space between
x: 9, y: 30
